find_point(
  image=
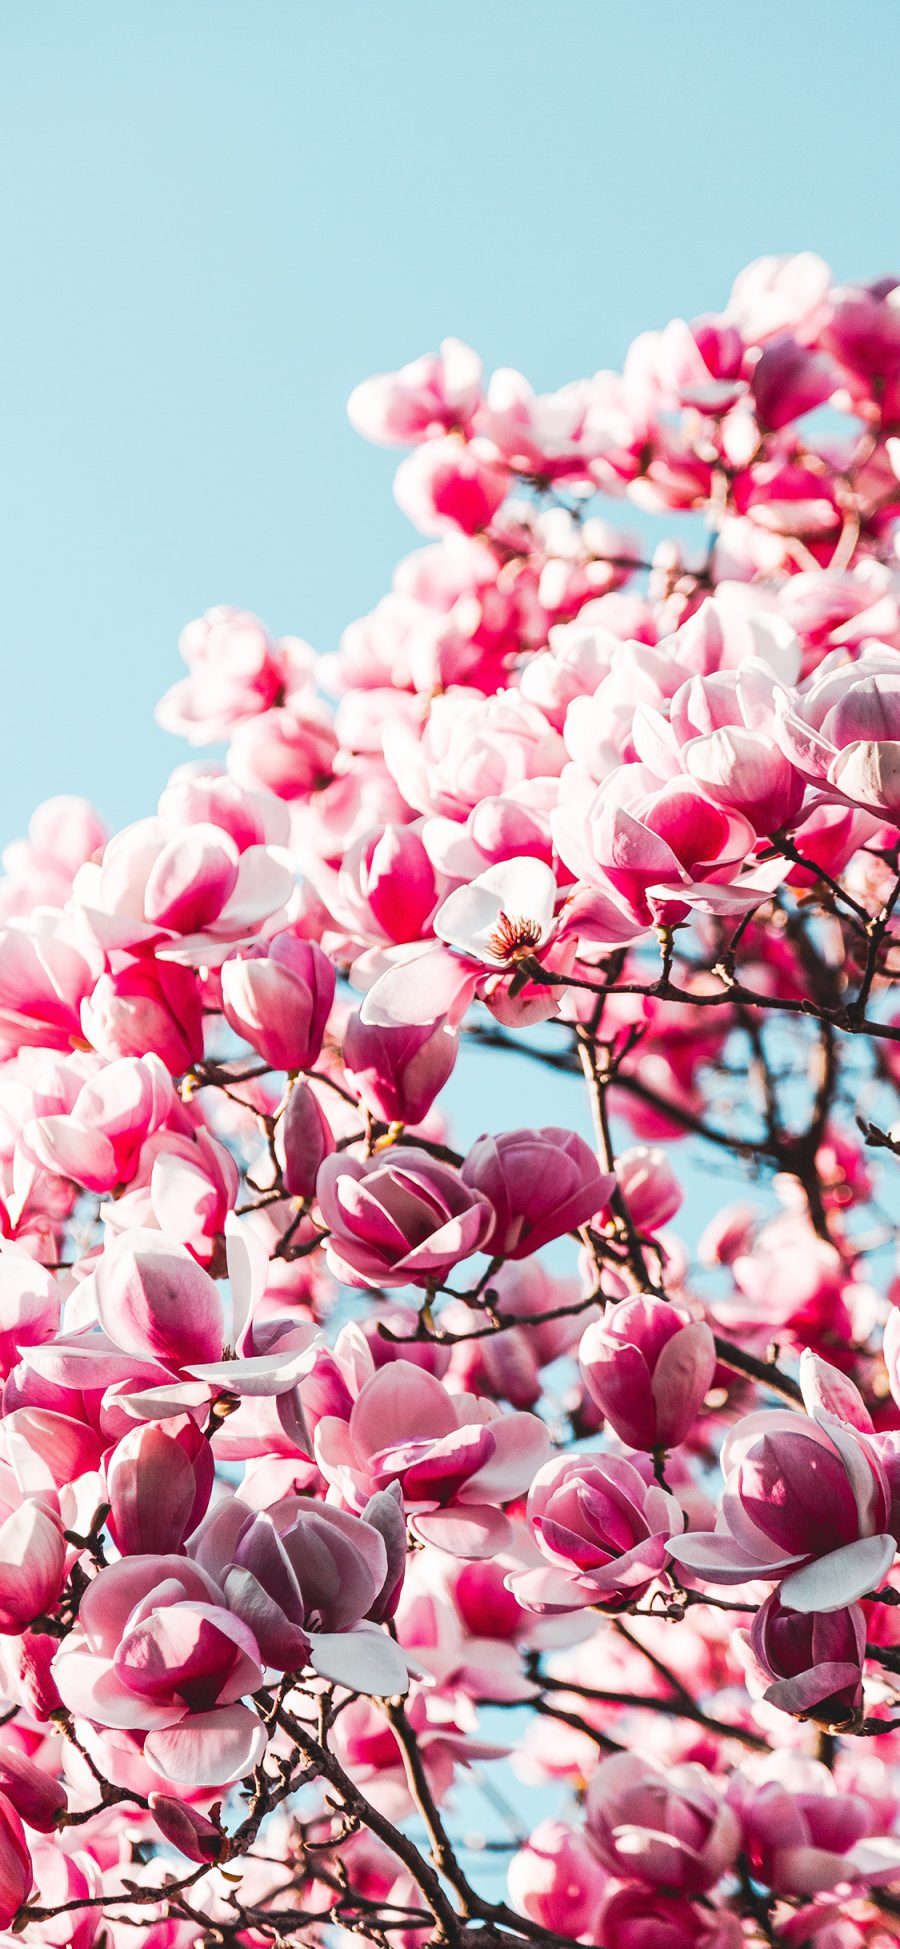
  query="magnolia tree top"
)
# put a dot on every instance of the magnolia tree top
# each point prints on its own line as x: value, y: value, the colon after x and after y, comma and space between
x: 337, y: 1460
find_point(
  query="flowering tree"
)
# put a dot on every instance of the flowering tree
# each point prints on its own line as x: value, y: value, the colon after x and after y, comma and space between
x: 335, y: 1460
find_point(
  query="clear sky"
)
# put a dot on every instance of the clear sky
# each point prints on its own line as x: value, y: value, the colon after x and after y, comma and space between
x: 217, y: 215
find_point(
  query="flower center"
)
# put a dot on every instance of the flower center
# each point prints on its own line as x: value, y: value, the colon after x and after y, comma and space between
x: 513, y: 937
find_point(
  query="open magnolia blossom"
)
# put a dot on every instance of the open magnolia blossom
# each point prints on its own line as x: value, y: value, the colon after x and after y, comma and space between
x: 388, y: 1426
x: 504, y: 916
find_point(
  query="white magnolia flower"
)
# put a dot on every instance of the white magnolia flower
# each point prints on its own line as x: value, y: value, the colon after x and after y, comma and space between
x: 503, y: 916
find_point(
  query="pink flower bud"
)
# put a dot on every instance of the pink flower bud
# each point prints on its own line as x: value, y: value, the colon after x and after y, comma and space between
x: 16, y: 1877
x: 814, y: 1662
x: 604, y: 1530
x: 384, y: 1510
x: 649, y: 1367
x: 159, y: 1479
x: 388, y: 885
x: 649, y: 1185
x: 399, y: 1072
x: 540, y: 1183
x: 185, y: 1828
x: 25, y: 1663
x: 790, y: 380
x: 36, y: 1796
x: 147, y: 1005
x: 32, y: 1564
x: 303, y: 1140
x: 279, y: 999
x: 398, y: 1218
x: 666, y: 1827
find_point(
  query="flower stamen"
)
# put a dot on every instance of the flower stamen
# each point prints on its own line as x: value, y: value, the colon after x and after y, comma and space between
x: 514, y: 937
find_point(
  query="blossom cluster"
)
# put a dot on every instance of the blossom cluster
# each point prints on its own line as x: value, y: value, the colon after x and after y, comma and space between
x: 340, y: 1455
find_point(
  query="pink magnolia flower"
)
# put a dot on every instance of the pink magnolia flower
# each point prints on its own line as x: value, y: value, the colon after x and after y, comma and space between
x: 98, y: 1142
x: 279, y: 998
x: 777, y: 294
x: 605, y: 1531
x: 193, y: 1187
x: 48, y: 965
x: 451, y: 483
x: 29, y: 1306
x: 305, y: 1578
x: 551, y: 435
x: 399, y: 1218
x: 192, y: 893
x: 863, y: 331
x: 813, y: 1663
x: 146, y: 1005
x: 539, y: 1183
x: 399, y: 1071
x: 172, y: 1337
x: 67, y: 1884
x: 38, y: 871
x: 789, y: 380
x: 236, y: 671
x: 471, y: 748
x: 719, y: 732
x: 654, y: 851
x: 156, y: 1651
x: 556, y: 1880
x: 455, y: 1457
x: 458, y: 1621
x: 25, y: 1663
x: 801, y: 1836
x: 290, y: 751
x: 431, y: 395
x: 649, y: 1366
x: 806, y: 1505
x: 640, y: 1918
x: 668, y: 1827
x: 842, y: 729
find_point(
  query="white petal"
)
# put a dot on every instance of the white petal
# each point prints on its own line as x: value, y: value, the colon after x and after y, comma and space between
x: 248, y: 1271
x: 365, y: 1660
x: 841, y: 1578
x: 259, y: 1374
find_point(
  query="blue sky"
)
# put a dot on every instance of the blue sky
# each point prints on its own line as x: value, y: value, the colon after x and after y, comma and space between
x: 216, y: 217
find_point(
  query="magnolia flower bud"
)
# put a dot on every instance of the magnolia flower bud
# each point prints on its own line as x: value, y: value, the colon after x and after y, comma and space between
x: 649, y: 1367
x: 303, y: 1140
